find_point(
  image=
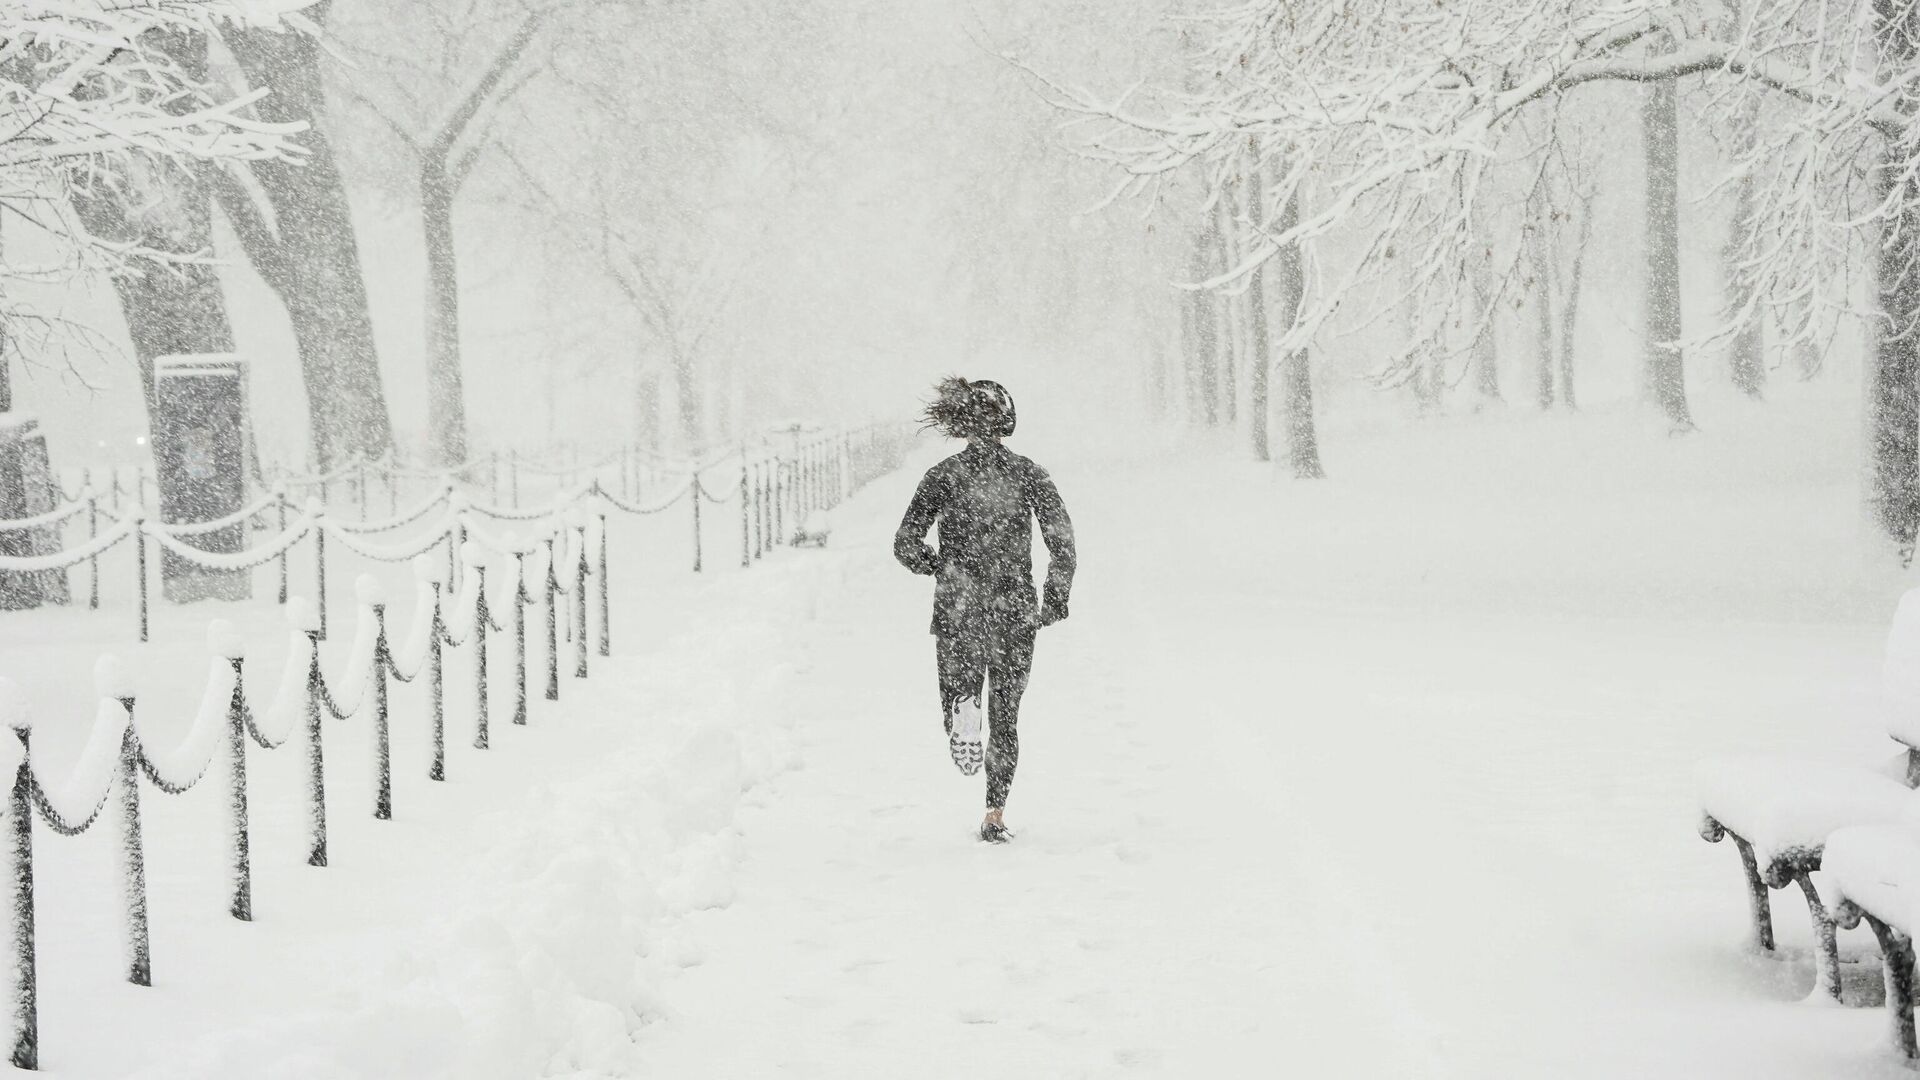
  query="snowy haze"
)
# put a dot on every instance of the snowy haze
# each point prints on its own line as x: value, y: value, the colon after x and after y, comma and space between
x: 1379, y: 736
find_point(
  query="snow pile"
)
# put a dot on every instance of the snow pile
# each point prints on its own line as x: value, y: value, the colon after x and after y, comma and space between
x: 561, y: 913
x: 1784, y: 807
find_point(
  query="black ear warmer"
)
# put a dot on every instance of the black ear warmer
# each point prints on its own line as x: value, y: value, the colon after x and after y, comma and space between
x: 993, y: 399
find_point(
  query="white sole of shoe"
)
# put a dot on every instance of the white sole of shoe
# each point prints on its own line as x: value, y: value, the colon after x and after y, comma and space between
x: 963, y: 741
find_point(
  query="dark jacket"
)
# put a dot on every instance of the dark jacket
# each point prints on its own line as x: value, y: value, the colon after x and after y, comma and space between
x: 985, y: 499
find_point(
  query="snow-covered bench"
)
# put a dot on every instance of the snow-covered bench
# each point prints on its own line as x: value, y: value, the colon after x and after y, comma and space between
x: 1780, y: 811
x: 813, y: 531
x: 1873, y: 872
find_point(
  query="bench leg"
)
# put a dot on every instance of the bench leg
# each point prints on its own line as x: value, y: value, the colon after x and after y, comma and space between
x: 1756, y: 898
x: 1897, y: 949
x: 1827, y: 948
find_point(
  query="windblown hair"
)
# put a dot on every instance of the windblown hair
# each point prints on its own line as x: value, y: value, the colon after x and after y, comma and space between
x: 957, y: 410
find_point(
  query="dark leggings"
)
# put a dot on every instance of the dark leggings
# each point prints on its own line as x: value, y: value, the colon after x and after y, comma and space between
x: 998, y: 658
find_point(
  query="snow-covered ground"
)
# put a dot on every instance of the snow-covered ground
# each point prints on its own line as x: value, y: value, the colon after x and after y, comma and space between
x: 1387, y: 776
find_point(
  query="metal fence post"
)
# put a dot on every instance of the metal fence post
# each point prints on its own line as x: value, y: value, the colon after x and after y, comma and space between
x: 552, y: 590
x: 479, y: 639
x: 320, y: 563
x: 693, y: 488
x: 26, y: 1008
x: 133, y: 858
x: 140, y: 565
x: 316, y: 765
x: 382, y: 740
x: 436, y: 689
x: 606, y: 606
x: 520, y: 600
x: 239, y: 861
x: 93, y: 533
x: 580, y: 605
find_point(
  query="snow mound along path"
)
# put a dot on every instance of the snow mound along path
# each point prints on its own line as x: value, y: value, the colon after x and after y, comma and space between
x: 521, y: 920
x: 1786, y: 808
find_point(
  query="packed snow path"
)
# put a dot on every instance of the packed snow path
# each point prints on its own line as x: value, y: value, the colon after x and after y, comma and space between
x: 1281, y: 812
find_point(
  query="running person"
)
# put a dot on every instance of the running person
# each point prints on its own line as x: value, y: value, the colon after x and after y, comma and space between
x: 985, y: 614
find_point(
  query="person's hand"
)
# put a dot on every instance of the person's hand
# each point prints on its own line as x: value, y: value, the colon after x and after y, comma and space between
x: 1050, y: 614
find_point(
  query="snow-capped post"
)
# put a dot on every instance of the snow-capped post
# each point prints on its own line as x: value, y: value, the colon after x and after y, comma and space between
x: 382, y: 737
x: 606, y: 605
x: 781, y: 491
x: 140, y: 564
x: 239, y: 861
x: 694, y: 489
x: 470, y: 553
x: 308, y: 623
x: 759, y: 518
x: 457, y: 565
x: 26, y: 1011
x: 133, y: 857
x: 436, y: 687
x: 521, y: 598
x: 746, y: 524
x: 318, y: 511
x: 93, y: 533
x: 551, y: 589
x: 580, y: 595
x: 280, y: 514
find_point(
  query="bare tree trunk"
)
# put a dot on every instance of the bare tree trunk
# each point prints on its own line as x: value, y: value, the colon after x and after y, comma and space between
x: 1296, y: 375
x: 1664, y: 364
x: 1206, y: 318
x: 1232, y: 316
x: 1570, y: 303
x: 446, y: 397
x: 1893, y: 398
x: 1260, y: 352
x: 307, y: 252
x: 686, y: 389
x: 646, y: 406
x: 1427, y: 379
x: 1747, y: 361
x: 1539, y: 240
x: 1485, y: 355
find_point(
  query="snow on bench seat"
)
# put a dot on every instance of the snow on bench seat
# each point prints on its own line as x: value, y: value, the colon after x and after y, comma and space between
x: 1786, y: 808
x: 1873, y: 872
x: 1877, y: 869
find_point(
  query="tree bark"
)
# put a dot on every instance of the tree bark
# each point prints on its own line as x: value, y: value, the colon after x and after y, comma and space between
x: 1570, y: 303
x: 307, y: 251
x: 1747, y: 361
x: 1486, y: 352
x: 1296, y: 374
x: 686, y: 390
x: 446, y: 396
x: 1539, y: 238
x: 1232, y: 322
x: 1665, y: 370
x: 646, y: 402
x: 1260, y: 354
x: 1207, y: 322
